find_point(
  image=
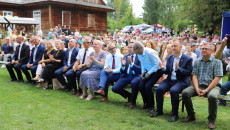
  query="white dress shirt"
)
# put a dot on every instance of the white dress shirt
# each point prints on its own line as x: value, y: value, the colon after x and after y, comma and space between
x: 149, y: 60
x: 109, y: 62
x: 69, y: 57
x: 81, y: 53
x: 20, y: 48
x: 35, y: 52
x: 173, y: 77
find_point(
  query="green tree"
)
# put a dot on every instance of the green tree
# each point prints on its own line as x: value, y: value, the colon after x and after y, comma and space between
x: 207, y: 14
x: 151, y: 12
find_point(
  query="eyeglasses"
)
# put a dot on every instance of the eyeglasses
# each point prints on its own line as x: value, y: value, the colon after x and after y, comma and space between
x: 88, y: 42
x: 205, y: 49
x: 112, y: 48
x: 135, y: 49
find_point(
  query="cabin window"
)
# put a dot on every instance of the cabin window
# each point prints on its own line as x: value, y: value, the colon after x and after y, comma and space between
x: 7, y: 13
x: 91, y: 20
x: 66, y: 18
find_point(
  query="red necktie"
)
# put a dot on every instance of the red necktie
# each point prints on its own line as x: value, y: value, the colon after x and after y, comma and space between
x: 84, y: 57
x: 113, y: 65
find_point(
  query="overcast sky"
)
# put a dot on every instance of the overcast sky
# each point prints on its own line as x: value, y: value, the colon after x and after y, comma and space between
x: 137, y: 7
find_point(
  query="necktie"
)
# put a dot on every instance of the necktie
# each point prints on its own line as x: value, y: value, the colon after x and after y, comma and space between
x: 113, y: 65
x: 84, y: 57
x: 19, y: 51
x: 132, y: 58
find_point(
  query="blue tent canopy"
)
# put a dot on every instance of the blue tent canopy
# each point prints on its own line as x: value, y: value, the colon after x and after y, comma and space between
x: 225, y: 24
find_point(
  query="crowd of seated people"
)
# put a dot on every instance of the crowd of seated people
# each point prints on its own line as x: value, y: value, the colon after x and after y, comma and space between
x: 180, y: 64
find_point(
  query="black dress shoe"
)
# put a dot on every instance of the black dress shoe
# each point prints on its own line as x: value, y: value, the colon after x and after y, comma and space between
x: 68, y: 89
x: 132, y: 106
x: 189, y: 118
x: 28, y: 82
x: 12, y: 80
x: 21, y: 81
x: 151, y: 110
x: 33, y: 83
x: 156, y: 114
x: 173, y: 118
x: 145, y: 106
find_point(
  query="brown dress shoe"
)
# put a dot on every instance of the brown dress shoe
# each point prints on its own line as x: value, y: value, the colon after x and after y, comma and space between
x: 74, y: 92
x: 100, y: 92
x: 189, y: 118
x: 79, y: 94
x: 104, y: 99
x: 132, y: 106
x: 211, y: 125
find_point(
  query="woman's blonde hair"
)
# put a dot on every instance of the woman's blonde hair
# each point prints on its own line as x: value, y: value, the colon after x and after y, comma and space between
x: 52, y: 44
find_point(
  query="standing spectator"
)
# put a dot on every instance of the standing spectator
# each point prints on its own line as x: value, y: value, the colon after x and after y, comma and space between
x: 69, y: 31
x: 50, y: 34
x: 39, y: 32
x: 59, y: 30
x: 65, y: 30
x: 23, y: 31
x: 76, y: 34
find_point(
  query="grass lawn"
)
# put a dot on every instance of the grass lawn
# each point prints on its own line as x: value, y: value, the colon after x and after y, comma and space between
x: 24, y: 106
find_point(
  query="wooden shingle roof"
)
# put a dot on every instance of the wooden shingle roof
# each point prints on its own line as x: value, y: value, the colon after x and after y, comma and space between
x: 77, y: 2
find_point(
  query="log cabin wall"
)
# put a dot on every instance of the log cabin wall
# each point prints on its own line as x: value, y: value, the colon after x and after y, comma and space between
x: 79, y: 15
x: 79, y: 19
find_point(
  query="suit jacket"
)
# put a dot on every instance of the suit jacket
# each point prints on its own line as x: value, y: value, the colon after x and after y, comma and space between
x: 38, y: 57
x: 73, y: 57
x: 136, y: 67
x: 184, y: 70
x: 25, y: 54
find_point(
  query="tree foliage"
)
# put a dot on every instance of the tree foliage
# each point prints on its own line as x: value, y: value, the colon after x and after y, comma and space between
x: 123, y: 16
x: 207, y: 14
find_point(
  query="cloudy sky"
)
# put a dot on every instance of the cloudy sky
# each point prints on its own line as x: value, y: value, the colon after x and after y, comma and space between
x: 137, y: 7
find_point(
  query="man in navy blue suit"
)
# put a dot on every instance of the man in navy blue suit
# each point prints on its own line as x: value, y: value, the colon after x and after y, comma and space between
x: 130, y: 73
x: 35, y: 57
x: 178, y: 68
x: 69, y: 60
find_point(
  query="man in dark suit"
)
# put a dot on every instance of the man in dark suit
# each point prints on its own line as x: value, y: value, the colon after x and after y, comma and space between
x: 36, y: 56
x: 20, y: 58
x: 130, y: 73
x: 178, y: 68
x: 69, y: 60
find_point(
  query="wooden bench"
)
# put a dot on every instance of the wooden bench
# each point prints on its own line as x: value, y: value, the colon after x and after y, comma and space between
x: 2, y: 62
x: 224, y: 97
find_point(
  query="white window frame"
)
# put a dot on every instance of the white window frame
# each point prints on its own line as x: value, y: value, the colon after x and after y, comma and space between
x: 4, y: 11
x: 40, y: 22
x: 63, y: 17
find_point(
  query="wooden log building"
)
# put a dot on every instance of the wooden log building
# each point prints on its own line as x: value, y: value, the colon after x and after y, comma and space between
x: 85, y: 15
